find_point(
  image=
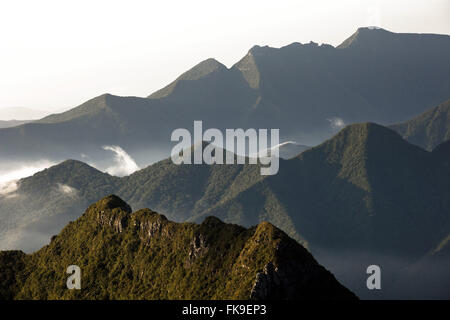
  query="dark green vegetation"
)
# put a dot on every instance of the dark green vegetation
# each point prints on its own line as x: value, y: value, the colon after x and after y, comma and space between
x: 366, y: 190
x: 142, y: 255
x: 375, y: 75
x: 429, y: 129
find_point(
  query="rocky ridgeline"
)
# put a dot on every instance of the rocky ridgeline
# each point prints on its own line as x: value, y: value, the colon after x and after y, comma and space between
x: 142, y: 255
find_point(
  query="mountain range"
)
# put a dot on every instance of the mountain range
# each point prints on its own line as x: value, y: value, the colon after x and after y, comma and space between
x: 375, y: 75
x: 142, y: 255
x: 374, y: 189
x: 364, y: 196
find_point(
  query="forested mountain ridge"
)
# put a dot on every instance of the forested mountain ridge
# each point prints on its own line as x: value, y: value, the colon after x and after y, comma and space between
x: 142, y: 255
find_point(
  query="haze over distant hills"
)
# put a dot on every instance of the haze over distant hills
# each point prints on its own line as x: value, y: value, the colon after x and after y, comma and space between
x: 21, y: 113
x: 375, y: 75
x: 12, y: 123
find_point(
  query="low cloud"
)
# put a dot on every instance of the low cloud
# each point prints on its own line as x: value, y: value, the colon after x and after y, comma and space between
x: 67, y: 190
x: 336, y: 123
x: 123, y: 163
x: 8, y: 189
x: 11, y: 173
x: 267, y: 152
x: 16, y: 171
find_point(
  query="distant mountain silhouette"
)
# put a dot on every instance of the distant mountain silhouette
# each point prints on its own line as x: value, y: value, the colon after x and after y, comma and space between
x: 375, y: 75
x: 12, y: 123
x: 21, y: 113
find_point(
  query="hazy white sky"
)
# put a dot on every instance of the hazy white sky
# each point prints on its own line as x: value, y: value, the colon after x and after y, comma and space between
x: 55, y: 54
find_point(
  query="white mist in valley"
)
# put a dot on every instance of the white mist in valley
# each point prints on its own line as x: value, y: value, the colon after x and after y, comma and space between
x: 66, y: 189
x: 8, y: 189
x: 10, y: 173
x: 123, y: 165
x: 16, y: 171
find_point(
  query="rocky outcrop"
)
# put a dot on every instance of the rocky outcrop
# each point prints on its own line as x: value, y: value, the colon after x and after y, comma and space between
x: 292, y: 272
x: 113, y: 212
x: 197, y: 248
x: 150, y: 224
x: 265, y: 283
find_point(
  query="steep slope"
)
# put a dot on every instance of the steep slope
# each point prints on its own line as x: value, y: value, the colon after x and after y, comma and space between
x: 142, y: 255
x: 429, y: 129
x: 378, y: 76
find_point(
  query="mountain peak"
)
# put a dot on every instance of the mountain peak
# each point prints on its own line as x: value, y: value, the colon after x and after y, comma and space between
x: 364, y: 132
x: 212, y: 221
x: 203, y: 69
x: 89, y: 107
x: 366, y: 127
x: 372, y: 29
x: 199, y: 71
x: 265, y: 228
x: 70, y: 165
x: 371, y: 139
x: 112, y: 202
x: 363, y: 35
